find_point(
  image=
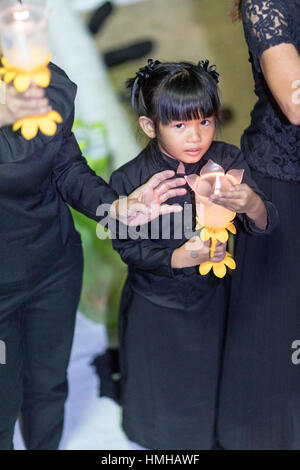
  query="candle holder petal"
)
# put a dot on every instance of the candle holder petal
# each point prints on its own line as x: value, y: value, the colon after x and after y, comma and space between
x: 47, y: 126
x: 211, y: 167
x: 22, y: 82
x: 219, y: 269
x: 237, y: 175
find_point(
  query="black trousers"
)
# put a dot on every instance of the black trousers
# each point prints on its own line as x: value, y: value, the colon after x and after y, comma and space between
x: 37, y: 326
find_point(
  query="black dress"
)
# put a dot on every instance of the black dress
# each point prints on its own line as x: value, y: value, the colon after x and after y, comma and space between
x: 171, y: 320
x: 260, y: 390
x: 41, y: 268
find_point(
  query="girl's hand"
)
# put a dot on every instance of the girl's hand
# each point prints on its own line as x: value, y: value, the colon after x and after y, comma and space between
x: 243, y: 200
x: 19, y: 105
x: 194, y: 252
x: 240, y: 198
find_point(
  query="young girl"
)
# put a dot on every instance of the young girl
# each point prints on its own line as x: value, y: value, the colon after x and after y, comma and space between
x: 172, y: 318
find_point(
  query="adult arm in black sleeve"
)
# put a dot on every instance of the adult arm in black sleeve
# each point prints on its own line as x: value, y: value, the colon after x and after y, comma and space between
x: 76, y: 181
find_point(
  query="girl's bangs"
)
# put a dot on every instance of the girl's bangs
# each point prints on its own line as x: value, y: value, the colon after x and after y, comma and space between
x: 171, y: 106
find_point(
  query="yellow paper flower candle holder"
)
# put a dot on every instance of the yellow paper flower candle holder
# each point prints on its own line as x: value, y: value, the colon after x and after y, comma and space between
x: 214, y: 220
x: 25, y: 45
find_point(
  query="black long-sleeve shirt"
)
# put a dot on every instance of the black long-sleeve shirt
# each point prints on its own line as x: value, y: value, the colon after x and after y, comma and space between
x: 37, y: 179
x: 149, y: 259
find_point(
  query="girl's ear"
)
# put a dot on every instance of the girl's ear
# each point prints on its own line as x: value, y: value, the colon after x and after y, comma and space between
x: 147, y: 126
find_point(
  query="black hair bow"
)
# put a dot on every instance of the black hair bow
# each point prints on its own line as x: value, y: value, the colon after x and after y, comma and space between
x: 143, y: 74
x: 211, y: 69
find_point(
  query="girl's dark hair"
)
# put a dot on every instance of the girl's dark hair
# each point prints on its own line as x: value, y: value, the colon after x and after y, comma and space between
x: 236, y: 12
x: 172, y: 91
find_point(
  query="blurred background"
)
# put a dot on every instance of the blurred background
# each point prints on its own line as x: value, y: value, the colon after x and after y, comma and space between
x: 101, y: 44
x: 185, y: 30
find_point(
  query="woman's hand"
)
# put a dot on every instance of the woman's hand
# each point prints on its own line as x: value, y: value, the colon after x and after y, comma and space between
x: 243, y: 200
x: 146, y: 202
x: 194, y: 252
x: 19, y: 105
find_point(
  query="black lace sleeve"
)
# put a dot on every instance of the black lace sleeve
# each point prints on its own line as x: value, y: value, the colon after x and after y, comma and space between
x: 266, y: 24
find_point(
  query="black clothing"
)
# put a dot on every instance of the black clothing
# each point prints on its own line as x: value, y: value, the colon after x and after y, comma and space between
x: 149, y: 260
x: 107, y: 367
x: 259, y: 399
x: 259, y: 396
x: 37, y: 179
x: 37, y: 325
x: 170, y: 364
x: 171, y: 320
x: 271, y: 144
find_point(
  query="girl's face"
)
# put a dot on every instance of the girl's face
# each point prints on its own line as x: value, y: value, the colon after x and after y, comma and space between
x: 187, y: 141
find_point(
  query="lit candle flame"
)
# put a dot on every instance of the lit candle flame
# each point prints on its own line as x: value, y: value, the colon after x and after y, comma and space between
x: 21, y: 15
x: 217, y: 185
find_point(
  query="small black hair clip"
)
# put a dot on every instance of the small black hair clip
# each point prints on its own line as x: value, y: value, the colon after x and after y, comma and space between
x: 211, y: 69
x: 143, y: 74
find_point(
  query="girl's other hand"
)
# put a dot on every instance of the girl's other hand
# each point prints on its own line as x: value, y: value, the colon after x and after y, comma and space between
x: 20, y: 105
x: 195, y: 251
x: 240, y: 198
x: 243, y: 200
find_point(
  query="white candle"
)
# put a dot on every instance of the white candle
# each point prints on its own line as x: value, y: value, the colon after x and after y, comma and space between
x: 24, y: 36
x: 20, y: 32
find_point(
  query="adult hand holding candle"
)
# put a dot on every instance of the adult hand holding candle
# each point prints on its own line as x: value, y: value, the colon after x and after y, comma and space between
x: 24, y: 38
x: 19, y: 105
